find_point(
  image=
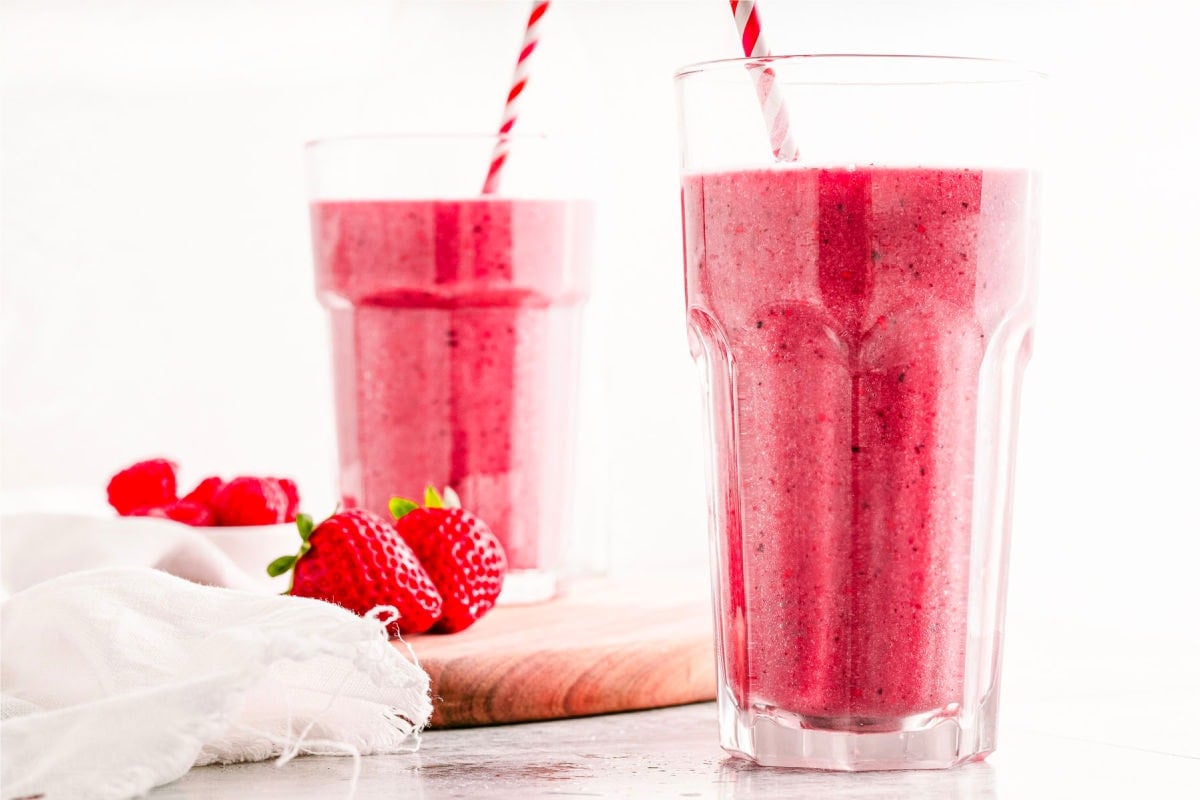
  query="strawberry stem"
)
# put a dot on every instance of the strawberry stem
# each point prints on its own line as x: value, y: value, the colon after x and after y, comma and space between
x: 432, y: 498
x: 280, y: 565
x: 304, y: 523
x: 399, y: 506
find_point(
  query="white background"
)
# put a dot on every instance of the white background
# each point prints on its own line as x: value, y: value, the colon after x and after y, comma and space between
x: 156, y: 274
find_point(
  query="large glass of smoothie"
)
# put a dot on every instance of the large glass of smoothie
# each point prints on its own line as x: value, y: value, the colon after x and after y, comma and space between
x: 862, y: 316
x: 455, y: 324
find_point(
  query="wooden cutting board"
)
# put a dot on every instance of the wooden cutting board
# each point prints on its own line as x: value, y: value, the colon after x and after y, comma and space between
x: 604, y: 645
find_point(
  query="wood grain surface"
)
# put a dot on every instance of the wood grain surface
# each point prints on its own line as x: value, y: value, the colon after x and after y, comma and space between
x: 604, y: 645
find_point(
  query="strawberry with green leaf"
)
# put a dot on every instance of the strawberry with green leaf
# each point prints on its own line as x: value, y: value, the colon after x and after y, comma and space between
x: 358, y: 561
x: 463, y: 557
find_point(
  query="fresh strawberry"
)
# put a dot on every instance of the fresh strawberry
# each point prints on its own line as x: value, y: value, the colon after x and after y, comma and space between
x: 459, y: 551
x: 145, y: 484
x: 204, y: 492
x: 250, y: 501
x: 357, y: 560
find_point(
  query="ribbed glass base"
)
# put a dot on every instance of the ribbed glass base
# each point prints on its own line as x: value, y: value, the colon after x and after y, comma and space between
x: 775, y: 738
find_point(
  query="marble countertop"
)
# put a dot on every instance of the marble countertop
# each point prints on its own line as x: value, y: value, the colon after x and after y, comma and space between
x: 672, y: 753
x: 1089, y: 709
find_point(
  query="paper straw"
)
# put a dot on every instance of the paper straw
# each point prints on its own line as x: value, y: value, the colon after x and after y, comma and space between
x: 774, y: 112
x: 519, y: 80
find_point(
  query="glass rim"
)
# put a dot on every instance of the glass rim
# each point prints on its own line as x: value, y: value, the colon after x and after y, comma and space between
x: 987, y: 71
x: 384, y: 138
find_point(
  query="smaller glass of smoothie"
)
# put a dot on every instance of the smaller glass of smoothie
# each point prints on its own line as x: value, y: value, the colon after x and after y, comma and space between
x: 862, y: 313
x: 455, y: 323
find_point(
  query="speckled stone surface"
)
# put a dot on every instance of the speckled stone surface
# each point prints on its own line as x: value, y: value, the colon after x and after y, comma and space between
x: 672, y: 753
x: 1091, y: 708
x: 1089, y: 711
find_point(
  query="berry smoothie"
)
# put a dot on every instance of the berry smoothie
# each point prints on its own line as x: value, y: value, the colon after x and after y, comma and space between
x: 844, y: 316
x: 454, y: 349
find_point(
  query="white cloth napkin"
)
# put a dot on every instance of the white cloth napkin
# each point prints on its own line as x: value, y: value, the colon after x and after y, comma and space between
x: 35, y: 547
x: 118, y: 679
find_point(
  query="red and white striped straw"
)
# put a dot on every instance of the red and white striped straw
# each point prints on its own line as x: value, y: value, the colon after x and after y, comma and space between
x: 519, y: 80
x: 754, y: 45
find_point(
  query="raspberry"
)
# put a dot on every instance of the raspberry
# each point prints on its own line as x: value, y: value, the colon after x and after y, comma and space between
x: 251, y: 501
x: 188, y: 513
x: 145, y: 484
x: 293, y: 496
x: 193, y: 514
x: 158, y: 512
x: 203, y: 493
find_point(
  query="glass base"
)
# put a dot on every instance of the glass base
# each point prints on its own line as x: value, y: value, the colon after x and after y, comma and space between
x: 525, y: 586
x: 775, y: 738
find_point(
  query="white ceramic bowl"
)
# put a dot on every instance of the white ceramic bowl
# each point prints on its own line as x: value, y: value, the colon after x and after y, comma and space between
x: 252, y: 547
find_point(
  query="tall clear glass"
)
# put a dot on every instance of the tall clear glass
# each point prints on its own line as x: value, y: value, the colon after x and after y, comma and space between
x: 455, y: 322
x: 862, y: 317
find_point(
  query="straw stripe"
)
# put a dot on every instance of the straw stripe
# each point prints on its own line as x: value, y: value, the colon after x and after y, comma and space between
x: 754, y: 45
x: 512, y: 103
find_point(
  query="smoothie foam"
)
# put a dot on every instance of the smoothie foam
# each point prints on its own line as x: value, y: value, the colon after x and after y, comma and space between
x: 844, y: 315
x: 454, y: 336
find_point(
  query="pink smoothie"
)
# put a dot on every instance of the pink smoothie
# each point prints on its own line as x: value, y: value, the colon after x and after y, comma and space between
x: 844, y: 315
x: 454, y: 347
